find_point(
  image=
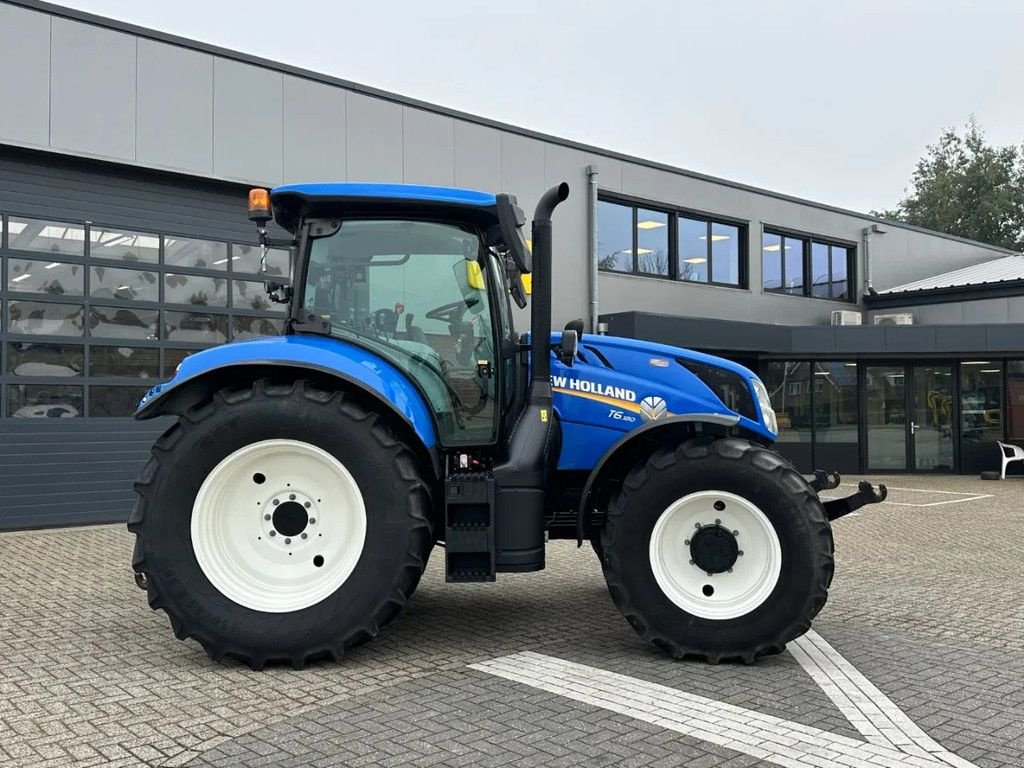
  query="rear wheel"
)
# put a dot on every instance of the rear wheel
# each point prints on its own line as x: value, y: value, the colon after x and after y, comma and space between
x: 281, y: 523
x: 718, y: 549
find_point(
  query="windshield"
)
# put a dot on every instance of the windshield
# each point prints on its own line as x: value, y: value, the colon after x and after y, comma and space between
x: 415, y: 293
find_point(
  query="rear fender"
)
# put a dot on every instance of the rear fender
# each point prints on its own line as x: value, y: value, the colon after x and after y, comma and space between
x: 327, y: 361
x: 638, y: 445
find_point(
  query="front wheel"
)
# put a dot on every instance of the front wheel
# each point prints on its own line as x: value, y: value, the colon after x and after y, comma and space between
x: 718, y: 549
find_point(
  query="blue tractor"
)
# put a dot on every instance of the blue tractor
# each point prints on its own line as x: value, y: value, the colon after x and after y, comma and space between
x: 289, y: 512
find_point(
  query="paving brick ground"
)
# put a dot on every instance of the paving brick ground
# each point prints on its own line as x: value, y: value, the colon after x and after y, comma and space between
x: 927, y: 603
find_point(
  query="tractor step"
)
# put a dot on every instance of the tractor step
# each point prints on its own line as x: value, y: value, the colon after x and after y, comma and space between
x: 469, y: 527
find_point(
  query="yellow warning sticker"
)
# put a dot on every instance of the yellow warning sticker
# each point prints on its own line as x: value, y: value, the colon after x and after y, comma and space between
x: 544, y: 415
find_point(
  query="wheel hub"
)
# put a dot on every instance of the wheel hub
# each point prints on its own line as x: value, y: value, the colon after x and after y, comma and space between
x: 290, y: 518
x: 714, y: 549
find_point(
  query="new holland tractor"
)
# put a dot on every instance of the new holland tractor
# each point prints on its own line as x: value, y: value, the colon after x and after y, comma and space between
x: 289, y: 512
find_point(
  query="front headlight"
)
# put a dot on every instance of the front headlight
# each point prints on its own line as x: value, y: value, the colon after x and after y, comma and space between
x: 765, y: 402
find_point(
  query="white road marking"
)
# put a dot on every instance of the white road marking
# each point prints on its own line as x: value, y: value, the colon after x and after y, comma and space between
x: 968, y: 497
x: 748, y: 731
x: 869, y: 710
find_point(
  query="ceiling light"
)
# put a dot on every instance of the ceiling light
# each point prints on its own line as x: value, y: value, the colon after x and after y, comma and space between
x: 978, y: 362
x: 124, y: 287
x: 19, y: 278
x: 52, y: 265
x: 716, y: 238
x: 987, y: 370
x: 850, y: 365
x: 650, y: 224
x: 774, y: 248
x: 640, y: 251
x: 695, y: 261
x: 822, y: 373
x: 221, y: 261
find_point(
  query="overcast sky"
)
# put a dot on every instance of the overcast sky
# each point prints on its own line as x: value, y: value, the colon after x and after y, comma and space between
x: 832, y: 100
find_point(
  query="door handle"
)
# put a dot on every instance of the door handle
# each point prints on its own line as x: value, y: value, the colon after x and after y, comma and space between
x: 913, y: 428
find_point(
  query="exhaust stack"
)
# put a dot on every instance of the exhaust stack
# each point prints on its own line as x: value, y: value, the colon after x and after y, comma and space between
x: 540, y: 311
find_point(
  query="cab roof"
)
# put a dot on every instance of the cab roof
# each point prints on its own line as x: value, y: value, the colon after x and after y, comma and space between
x: 292, y: 201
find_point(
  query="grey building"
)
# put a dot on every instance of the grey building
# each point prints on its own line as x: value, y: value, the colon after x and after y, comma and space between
x: 125, y: 155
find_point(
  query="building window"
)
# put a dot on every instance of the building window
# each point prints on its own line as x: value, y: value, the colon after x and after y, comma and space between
x: 802, y: 266
x: 92, y: 315
x: 662, y: 243
x: 614, y: 236
x: 789, y: 387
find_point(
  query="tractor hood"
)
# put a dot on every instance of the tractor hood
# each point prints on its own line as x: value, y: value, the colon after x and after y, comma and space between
x: 618, y: 384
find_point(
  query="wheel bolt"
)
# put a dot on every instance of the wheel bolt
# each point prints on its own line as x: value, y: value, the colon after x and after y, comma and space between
x: 735, y: 533
x: 686, y: 543
x: 291, y: 496
x: 308, y: 505
x: 287, y: 541
x: 719, y: 505
x: 305, y: 535
x: 697, y: 526
x: 273, y: 533
x: 691, y: 562
x: 740, y: 553
x: 266, y: 517
x: 312, y: 521
x: 730, y: 570
x: 718, y: 522
x: 276, y: 502
x: 710, y: 574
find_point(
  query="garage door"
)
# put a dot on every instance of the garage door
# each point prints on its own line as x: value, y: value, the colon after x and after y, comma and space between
x: 111, y: 276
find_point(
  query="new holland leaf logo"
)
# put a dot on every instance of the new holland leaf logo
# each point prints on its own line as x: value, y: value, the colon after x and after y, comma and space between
x: 652, y: 408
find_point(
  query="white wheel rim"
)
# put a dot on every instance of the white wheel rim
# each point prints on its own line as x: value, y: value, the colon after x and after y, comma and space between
x: 734, y: 593
x: 267, y: 564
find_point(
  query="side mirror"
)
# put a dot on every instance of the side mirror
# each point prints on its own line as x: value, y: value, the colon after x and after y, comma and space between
x: 567, y: 349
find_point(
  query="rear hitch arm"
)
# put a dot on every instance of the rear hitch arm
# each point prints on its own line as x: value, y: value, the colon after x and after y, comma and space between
x: 866, y: 494
x: 825, y: 481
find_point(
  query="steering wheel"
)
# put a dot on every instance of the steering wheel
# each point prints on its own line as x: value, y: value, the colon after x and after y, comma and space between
x: 450, y: 313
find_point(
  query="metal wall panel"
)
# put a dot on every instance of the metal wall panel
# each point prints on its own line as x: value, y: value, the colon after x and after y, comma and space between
x: 25, y: 86
x: 314, y: 131
x: 374, y: 139
x: 72, y: 472
x: 477, y: 157
x: 247, y: 130
x: 175, y: 108
x: 428, y: 148
x: 92, y: 97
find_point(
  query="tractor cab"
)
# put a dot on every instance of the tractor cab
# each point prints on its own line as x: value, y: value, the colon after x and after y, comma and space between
x: 426, y: 284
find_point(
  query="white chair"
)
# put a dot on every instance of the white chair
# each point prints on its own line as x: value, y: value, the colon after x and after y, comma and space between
x: 1009, y: 453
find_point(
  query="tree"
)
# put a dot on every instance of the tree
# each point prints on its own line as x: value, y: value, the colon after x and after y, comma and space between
x: 967, y: 187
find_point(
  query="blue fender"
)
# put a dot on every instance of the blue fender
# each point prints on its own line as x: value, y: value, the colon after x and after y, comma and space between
x: 334, y: 357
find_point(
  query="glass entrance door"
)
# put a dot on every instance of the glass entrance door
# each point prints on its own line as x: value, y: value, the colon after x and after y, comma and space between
x: 886, y: 416
x: 909, y: 413
x: 931, y: 418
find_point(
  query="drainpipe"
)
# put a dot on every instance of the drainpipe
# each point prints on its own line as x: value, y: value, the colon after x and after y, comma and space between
x: 867, y: 232
x: 594, y: 310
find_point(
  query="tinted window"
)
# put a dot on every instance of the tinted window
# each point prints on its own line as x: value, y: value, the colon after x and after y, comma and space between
x: 198, y: 254
x: 693, y: 250
x: 124, y: 245
x: 614, y: 236
x: 50, y: 277
x: 203, y: 327
x: 31, y: 359
x: 246, y: 258
x: 243, y: 327
x: 789, y: 387
x: 652, y: 242
x: 38, y: 318
x: 124, y: 322
x: 820, y: 282
x: 840, y: 268
x: 725, y: 254
x: 771, y: 261
x: 46, y: 236
x: 124, y: 362
x: 247, y: 294
x: 196, y: 290
x: 114, y: 283
x: 793, y: 261
x: 43, y: 401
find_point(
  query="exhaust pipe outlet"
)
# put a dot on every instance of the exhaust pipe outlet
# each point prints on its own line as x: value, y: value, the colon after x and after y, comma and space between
x: 540, y: 311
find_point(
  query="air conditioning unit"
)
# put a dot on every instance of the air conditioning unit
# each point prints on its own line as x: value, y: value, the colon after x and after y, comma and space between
x: 895, y: 318
x: 846, y: 317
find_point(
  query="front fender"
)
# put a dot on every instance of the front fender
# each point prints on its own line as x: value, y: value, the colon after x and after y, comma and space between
x: 642, y: 442
x: 342, y: 360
